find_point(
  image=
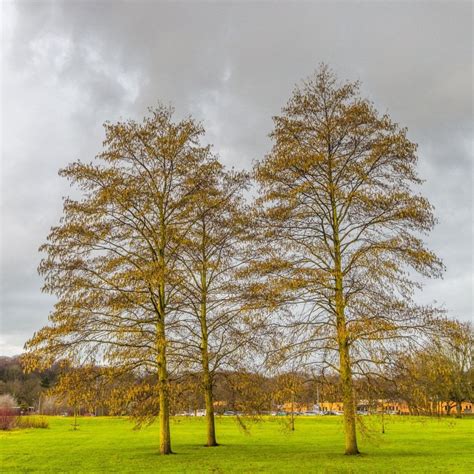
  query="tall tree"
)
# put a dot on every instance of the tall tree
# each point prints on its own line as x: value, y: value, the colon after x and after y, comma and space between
x: 113, y: 260
x: 214, y: 250
x: 341, y: 229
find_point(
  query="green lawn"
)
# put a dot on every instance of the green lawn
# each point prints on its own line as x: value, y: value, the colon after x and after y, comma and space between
x: 111, y: 445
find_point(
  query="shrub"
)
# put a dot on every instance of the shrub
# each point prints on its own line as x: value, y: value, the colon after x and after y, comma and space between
x: 8, y: 412
x: 8, y: 418
x: 32, y: 422
x: 7, y: 401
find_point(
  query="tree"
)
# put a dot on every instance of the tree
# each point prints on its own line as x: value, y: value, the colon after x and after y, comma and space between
x: 457, y: 351
x: 439, y: 372
x: 341, y: 229
x: 75, y: 388
x: 26, y: 388
x: 45, y: 384
x: 215, y: 330
x: 421, y: 380
x: 246, y: 393
x: 289, y: 388
x: 113, y: 260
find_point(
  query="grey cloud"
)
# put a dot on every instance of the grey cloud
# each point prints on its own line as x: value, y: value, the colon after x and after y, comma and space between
x: 69, y: 66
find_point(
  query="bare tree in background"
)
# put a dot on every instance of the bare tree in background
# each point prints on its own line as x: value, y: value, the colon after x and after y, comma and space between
x: 457, y: 353
x: 440, y: 371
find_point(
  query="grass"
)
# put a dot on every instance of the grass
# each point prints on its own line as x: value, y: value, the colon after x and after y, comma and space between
x: 103, y: 445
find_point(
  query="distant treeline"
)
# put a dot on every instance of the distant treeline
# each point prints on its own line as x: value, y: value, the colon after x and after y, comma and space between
x: 94, y: 390
x: 26, y: 388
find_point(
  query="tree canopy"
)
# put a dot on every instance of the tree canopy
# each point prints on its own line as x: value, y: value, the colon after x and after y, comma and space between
x: 165, y: 267
x: 342, y: 232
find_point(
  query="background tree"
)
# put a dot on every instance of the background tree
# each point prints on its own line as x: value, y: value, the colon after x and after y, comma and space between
x: 247, y: 393
x: 439, y: 372
x: 45, y: 385
x: 341, y: 230
x: 113, y: 260
x: 25, y: 388
x: 457, y: 354
x: 75, y: 387
x: 187, y: 395
x: 421, y: 380
x: 288, y: 390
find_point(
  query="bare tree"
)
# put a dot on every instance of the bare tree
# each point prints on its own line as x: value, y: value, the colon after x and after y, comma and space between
x: 113, y: 260
x: 456, y: 350
x: 439, y: 372
x: 215, y: 330
x: 341, y: 230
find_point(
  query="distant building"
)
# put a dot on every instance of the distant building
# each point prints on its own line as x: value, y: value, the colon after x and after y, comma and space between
x: 375, y: 406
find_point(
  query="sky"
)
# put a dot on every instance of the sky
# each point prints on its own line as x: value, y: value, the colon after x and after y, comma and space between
x: 67, y: 67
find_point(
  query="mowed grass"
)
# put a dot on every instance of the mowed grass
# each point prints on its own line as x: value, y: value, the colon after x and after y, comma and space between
x: 410, y: 444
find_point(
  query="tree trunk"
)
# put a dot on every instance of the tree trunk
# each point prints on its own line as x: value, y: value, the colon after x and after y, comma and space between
x: 163, y: 391
x: 292, y: 415
x: 208, y: 397
x: 207, y: 377
x: 207, y: 384
x: 211, y: 428
x: 383, y: 420
x: 75, y: 419
x: 348, y: 400
x: 458, y: 410
x: 343, y: 343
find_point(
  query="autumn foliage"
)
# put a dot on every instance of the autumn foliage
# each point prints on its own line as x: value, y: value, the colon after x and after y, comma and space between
x: 164, y: 266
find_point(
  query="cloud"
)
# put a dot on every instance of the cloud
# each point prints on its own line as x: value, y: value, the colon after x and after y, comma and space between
x: 69, y: 66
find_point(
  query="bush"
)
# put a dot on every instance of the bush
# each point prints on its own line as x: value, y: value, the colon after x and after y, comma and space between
x: 7, y: 401
x: 32, y: 422
x: 8, y: 412
x: 8, y: 418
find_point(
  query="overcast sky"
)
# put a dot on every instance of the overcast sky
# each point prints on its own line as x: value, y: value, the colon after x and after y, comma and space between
x: 67, y: 67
